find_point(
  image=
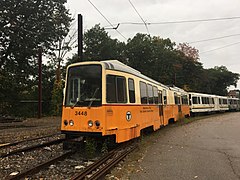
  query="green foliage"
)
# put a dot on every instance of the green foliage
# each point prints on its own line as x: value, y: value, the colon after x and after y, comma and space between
x: 72, y: 60
x: 90, y: 147
x: 159, y: 59
x: 104, y: 149
x: 24, y: 26
x: 190, y: 75
x: 139, y: 53
x: 57, y: 98
x: 219, y: 79
x: 99, y: 45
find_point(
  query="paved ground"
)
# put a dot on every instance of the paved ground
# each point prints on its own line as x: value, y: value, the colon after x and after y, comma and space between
x: 207, y: 149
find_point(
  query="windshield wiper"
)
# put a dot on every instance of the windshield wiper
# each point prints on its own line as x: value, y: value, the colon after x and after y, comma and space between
x: 78, y: 101
x: 92, y: 99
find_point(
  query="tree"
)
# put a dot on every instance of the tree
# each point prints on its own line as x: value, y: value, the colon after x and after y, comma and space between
x: 166, y: 61
x: 154, y: 57
x: 191, y: 52
x: 73, y: 59
x: 139, y: 53
x: 220, y: 78
x: 62, y: 47
x: 57, y: 98
x: 24, y: 26
x: 98, y: 45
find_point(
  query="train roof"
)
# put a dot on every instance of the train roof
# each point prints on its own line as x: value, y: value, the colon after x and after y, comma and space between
x: 177, y: 89
x: 119, y: 66
x: 201, y: 94
x: 209, y: 95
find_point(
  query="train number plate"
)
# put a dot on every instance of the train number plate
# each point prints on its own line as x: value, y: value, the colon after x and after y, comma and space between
x: 80, y: 113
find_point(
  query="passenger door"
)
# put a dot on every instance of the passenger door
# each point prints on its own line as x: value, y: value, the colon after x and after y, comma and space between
x: 160, y: 104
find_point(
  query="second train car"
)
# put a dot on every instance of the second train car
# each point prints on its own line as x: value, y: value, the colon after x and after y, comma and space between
x: 207, y: 103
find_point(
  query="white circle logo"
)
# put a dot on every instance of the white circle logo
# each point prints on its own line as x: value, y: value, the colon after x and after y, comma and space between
x: 128, y: 116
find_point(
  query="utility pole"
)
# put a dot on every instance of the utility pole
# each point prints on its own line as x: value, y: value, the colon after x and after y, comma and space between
x: 80, y: 37
x: 39, y: 82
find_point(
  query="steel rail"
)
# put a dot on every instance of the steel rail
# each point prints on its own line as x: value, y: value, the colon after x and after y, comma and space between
x: 109, y: 165
x: 92, y: 167
x: 104, y: 169
x: 32, y: 147
x: 26, y: 140
x: 40, y: 166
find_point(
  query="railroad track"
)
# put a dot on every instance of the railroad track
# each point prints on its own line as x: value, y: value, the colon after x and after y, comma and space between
x: 41, y: 166
x: 26, y: 140
x: 104, y: 164
x: 94, y: 171
x: 30, y: 148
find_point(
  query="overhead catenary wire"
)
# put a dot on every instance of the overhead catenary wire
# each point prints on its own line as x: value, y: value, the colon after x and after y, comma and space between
x: 107, y: 20
x: 144, y: 22
x: 216, y: 38
x: 179, y: 22
x: 220, y: 47
x: 198, y: 20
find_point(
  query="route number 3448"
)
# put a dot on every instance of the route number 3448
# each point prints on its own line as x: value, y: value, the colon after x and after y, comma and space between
x: 80, y: 113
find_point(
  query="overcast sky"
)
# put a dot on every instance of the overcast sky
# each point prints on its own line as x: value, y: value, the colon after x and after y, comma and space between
x: 223, y: 51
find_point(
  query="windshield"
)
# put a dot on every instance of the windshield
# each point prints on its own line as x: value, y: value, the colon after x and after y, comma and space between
x: 84, y: 86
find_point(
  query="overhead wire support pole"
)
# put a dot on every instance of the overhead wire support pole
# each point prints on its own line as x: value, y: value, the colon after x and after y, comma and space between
x: 80, y: 37
x: 39, y: 82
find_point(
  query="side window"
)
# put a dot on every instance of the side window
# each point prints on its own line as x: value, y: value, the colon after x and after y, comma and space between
x: 155, y: 95
x: 224, y: 101
x: 211, y: 101
x: 208, y: 100
x: 195, y: 100
x: 150, y: 94
x: 143, y: 93
x: 116, y: 89
x: 121, y: 90
x: 184, y: 99
x: 164, y: 96
x: 131, y: 90
x: 111, y: 89
x: 176, y: 99
x: 220, y: 101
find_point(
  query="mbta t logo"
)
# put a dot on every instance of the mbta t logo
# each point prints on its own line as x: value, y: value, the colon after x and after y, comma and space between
x: 128, y: 116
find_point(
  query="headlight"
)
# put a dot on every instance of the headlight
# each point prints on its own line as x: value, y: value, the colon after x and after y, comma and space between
x: 65, y: 122
x: 90, y: 123
x: 71, y: 122
x: 97, y: 123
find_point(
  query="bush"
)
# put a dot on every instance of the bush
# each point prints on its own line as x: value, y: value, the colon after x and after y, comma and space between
x: 57, y: 98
